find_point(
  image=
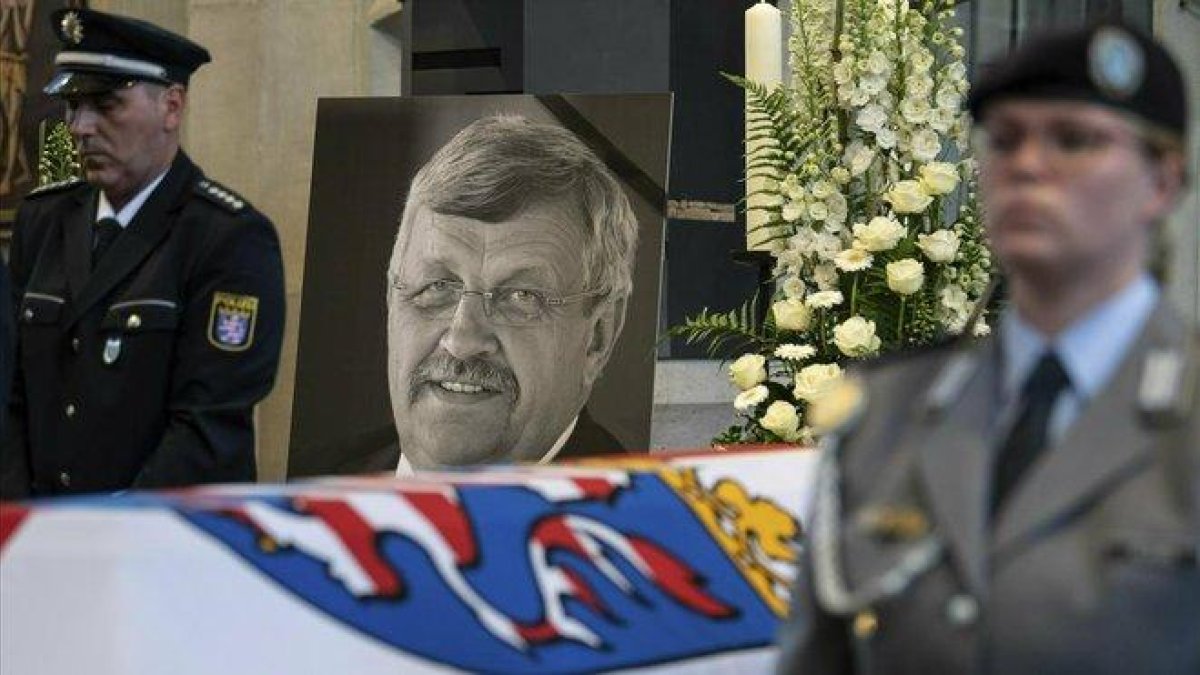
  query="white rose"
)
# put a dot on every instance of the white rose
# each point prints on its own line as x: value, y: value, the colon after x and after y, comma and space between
x: 939, y: 178
x: 872, y: 84
x: 981, y: 329
x: 954, y: 298
x: 853, y: 259
x: 748, y: 370
x: 940, y: 246
x: 905, y: 276
x: 948, y: 98
x: 790, y: 256
x: 919, y: 86
x: 941, y: 119
x: 881, y: 234
x: 921, y: 59
x: 828, y: 245
x: 858, y: 158
x: 793, y: 287
x: 856, y: 337
x: 886, y: 138
x: 956, y: 71
x: 803, y: 241
x: 750, y: 398
x: 878, y: 63
x: 842, y: 72
x: 871, y: 118
x: 826, y: 277
x: 792, y: 352
x: 915, y: 110
x: 822, y: 189
x: 792, y: 188
x: 813, y: 382
x: 840, y: 174
x: 792, y: 211
x: 838, y: 208
x: 818, y: 211
x: 824, y: 299
x: 791, y: 314
x: 781, y: 419
x: 907, y: 196
x: 926, y: 145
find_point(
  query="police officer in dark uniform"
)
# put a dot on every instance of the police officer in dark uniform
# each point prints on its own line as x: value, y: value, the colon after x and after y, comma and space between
x: 149, y: 298
x: 1030, y: 503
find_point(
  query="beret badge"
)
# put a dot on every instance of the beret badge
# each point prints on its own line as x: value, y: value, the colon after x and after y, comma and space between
x: 72, y: 27
x: 1116, y: 63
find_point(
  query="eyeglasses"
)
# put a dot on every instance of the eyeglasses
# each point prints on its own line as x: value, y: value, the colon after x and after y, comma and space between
x: 1064, y: 146
x: 505, y: 306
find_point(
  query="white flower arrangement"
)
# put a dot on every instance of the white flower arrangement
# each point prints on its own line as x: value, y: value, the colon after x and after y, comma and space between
x: 876, y: 239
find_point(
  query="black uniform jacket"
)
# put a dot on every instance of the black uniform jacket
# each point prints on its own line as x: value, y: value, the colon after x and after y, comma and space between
x: 144, y: 371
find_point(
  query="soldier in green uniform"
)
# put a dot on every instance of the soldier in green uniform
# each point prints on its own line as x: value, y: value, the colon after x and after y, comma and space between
x: 1030, y: 503
x: 149, y: 299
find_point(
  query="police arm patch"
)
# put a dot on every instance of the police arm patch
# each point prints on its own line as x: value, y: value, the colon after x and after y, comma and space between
x: 231, y: 321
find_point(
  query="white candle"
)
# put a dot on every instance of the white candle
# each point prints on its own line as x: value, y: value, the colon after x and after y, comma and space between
x: 764, y: 44
x: 764, y: 65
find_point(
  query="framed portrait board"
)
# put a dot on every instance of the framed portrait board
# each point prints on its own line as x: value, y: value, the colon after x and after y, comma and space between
x: 367, y: 152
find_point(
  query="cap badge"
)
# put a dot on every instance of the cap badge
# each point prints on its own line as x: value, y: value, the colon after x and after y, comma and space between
x: 1116, y: 63
x: 72, y: 27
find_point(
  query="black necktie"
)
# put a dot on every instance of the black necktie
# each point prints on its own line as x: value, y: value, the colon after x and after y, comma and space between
x: 105, y: 232
x: 1028, y: 436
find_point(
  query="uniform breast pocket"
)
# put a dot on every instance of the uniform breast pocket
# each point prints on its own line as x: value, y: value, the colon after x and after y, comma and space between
x: 39, y: 317
x: 1154, y: 549
x: 139, y: 331
x: 1152, y: 567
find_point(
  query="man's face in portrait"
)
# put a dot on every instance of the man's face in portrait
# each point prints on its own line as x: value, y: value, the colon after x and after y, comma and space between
x: 498, y: 371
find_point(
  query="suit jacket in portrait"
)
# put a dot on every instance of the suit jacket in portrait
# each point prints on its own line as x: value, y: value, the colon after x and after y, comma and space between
x: 588, y: 439
x: 144, y: 371
x: 1091, y: 567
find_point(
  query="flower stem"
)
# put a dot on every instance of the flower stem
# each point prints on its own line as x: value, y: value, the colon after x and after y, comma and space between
x: 854, y: 294
x: 900, y: 324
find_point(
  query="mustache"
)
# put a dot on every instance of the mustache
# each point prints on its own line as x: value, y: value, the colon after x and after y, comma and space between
x: 441, y: 366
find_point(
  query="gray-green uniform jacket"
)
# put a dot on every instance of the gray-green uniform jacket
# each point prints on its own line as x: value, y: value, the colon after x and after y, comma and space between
x: 1092, y: 565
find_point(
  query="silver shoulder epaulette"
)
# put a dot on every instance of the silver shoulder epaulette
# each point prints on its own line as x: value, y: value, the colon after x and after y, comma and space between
x: 51, y: 188
x: 220, y: 195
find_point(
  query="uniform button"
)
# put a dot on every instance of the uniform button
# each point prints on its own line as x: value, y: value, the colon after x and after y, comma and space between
x: 134, y: 321
x: 962, y: 610
x: 865, y: 624
x: 75, y: 345
x: 70, y: 410
x: 64, y: 479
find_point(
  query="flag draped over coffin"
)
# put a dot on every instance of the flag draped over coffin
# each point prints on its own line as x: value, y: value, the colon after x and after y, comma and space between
x: 674, y: 564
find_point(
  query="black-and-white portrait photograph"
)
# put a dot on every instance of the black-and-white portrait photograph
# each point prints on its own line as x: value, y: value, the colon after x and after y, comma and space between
x: 481, y: 281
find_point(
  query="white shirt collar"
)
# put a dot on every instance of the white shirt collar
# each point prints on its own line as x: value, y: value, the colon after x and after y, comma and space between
x: 1090, y: 349
x: 404, y: 468
x: 125, y: 216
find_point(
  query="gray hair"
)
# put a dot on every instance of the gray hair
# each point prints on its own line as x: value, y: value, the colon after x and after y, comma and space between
x: 499, y: 166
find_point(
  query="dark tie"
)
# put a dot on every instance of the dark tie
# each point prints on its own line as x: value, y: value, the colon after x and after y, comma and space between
x: 105, y: 232
x: 1028, y: 436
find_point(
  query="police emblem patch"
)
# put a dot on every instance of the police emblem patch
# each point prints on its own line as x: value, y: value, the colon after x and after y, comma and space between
x: 231, y: 321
